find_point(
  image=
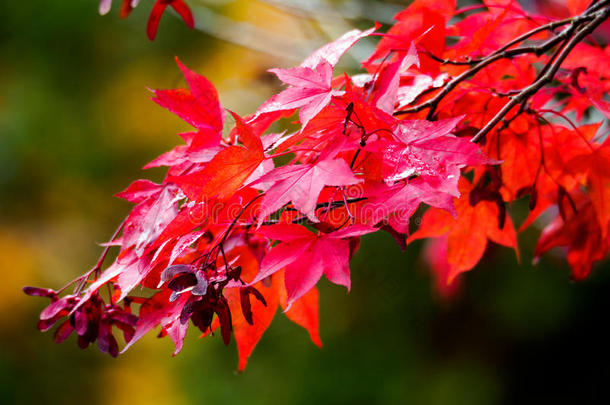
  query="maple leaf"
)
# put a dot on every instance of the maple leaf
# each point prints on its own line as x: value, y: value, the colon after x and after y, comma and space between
x: 198, y: 106
x: 398, y: 202
x: 468, y: 233
x: 581, y: 234
x: 596, y: 166
x: 302, y: 184
x: 304, y: 312
x: 307, y: 256
x: 248, y: 332
x: 385, y: 90
x: 310, y: 88
x: 526, y: 167
x: 424, y: 22
x: 227, y: 171
x: 148, y: 219
x: 520, y: 154
x: 426, y: 149
x: 310, y: 84
x: 159, y: 310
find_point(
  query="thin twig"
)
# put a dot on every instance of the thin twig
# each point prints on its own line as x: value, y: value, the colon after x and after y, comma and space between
x: 97, y: 267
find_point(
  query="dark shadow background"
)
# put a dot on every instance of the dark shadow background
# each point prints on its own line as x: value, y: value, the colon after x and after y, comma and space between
x: 75, y: 128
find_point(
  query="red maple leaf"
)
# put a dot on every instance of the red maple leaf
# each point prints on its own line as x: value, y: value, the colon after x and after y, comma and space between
x: 468, y: 233
x: 302, y: 184
x: 310, y: 84
x: 309, y: 89
x: 581, y: 234
x: 596, y: 166
x: 248, y: 329
x: 307, y: 256
x: 158, y: 310
x: 426, y: 149
x: 227, y: 171
x: 304, y: 312
x: 395, y: 204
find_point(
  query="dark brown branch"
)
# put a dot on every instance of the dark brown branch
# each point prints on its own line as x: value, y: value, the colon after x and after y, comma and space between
x: 546, y: 27
x: 548, y: 76
x: 504, y: 52
x: 434, y: 101
x: 467, y: 62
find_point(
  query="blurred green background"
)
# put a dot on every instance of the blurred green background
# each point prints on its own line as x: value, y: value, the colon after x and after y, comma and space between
x: 76, y: 125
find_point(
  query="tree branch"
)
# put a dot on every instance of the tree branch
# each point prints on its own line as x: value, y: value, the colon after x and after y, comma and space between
x: 549, y: 74
x: 504, y: 52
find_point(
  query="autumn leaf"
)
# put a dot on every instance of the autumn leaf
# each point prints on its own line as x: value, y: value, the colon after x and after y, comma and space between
x: 157, y: 310
x: 397, y: 203
x: 310, y: 84
x: 301, y: 185
x: 468, y: 233
x: 581, y: 235
x: 427, y: 149
x: 307, y: 256
x: 304, y: 311
x: 227, y: 171
x: 596, y: 165
x: 248, y: 334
